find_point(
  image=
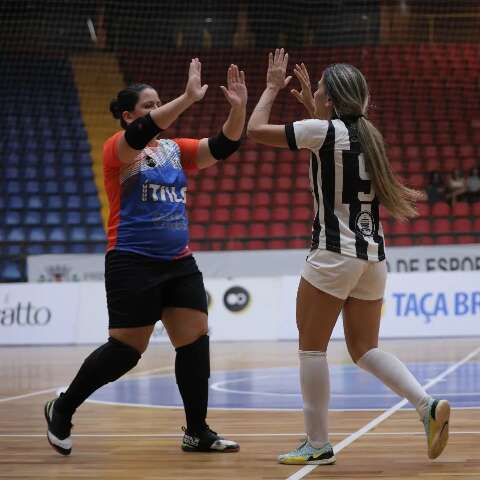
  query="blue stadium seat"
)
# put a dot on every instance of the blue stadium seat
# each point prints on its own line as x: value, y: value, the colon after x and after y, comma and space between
x: 13, y: 186
x: 53, y: 218
x: 93, y: 217
x: 56, y: 248
x: 77, y: 248
x: 16, y: 234
x: 32, y: 186
x: 12, y: 217
x: 10, y: 272
x: 13, y: 250
x: 15, y: 201
x: 73, y: 202
x: 73, y: 217
x: 35, y: 201
x: 32, y: 218
x: 92, y: 202
x: 37, y: 234
x: 78, y: 234
x: 57, y: 234
x: 54, y: 201
x: 97, y: 233
x: 51, y: 187
x: 35, y: 249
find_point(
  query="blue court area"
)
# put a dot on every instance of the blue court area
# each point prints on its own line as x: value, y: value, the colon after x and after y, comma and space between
x: 279, y: 388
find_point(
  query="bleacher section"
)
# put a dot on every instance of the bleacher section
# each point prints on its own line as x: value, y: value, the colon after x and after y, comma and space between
x: 48, y: 200
x: 422, y: 101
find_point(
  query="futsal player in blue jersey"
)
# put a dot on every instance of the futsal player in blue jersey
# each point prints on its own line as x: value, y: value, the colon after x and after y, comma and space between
x: 350, y: 176
x: 150, y: 273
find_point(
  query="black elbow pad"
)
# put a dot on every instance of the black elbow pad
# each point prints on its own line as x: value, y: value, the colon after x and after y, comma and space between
x: 141, y: 131
x: 222, y: 147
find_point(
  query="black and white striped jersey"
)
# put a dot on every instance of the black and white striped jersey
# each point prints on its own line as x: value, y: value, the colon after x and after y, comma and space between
x: 347, y: 217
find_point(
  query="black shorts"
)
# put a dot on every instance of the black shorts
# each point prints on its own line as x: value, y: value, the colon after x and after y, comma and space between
x: 140, y: 287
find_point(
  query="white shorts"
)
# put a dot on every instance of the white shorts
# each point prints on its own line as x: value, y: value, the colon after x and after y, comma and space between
x: 343, y: 276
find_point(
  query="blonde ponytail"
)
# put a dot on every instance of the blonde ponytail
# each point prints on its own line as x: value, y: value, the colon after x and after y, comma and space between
x: 398, y: 199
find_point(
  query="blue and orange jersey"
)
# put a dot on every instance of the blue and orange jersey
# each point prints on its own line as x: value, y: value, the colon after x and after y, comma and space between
x: 147, y: 198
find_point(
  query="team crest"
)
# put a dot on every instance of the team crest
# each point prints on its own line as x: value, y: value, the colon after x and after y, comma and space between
x: 365, y: 224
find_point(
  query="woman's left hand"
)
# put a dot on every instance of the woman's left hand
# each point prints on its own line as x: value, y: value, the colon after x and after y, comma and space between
x: 236, y: 91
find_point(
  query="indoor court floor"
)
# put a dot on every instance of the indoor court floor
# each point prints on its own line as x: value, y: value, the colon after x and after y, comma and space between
x: 131, y: 429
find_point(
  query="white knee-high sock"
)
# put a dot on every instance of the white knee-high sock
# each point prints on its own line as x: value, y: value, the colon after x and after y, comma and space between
x: 315, y: 383
x: 395, y: 375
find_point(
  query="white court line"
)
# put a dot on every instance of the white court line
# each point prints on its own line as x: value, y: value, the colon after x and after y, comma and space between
x: 388, y: 413
x: 26, y: 395
x: 232, y: 435
x: 57, y: 389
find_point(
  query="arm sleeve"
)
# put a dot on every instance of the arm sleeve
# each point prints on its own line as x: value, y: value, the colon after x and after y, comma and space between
x: 309, y: 134
x: 188, y: 152
x: 110, y: 151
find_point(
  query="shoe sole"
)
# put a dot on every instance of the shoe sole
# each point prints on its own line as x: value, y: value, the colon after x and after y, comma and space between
x: 62, y: 451
x: 440, y: 439
x: 328, y: 461
x: 193, y: 450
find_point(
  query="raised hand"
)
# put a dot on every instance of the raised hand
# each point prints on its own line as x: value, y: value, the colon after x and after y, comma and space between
x: 236, y: 91
x: 277, y: 69
x: 305, y: 96
x: 194, y: 89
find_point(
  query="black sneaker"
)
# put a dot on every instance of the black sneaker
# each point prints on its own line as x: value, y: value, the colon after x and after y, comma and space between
x: 59, y: 427
x: 207, y: 441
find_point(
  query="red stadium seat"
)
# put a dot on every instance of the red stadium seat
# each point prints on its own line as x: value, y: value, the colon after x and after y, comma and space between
x: 441, y: 225
x: 201, y: 200
x: 197, y: 232
x: 238, y: 230
x: 302, y: 198
x: 302, y: 214
x: 265, y: 183
x: 258, y: 230
x: 220, y: 215
x: 278, y: 230
x: 462, y: 225
x: 266, y: 170
x: 280, y: 214
x: 261, y: 214
x: 223, y: 199
x: 246, y: 184
x: 200, y: 215
x: 262, y: 199
x: 226, y: 184
x: 423, y: 209
x: 281, y: 198
x: 240, y: 214
x: 461, y: 209
x: 421, y: 225
x: 216, y: 231
x: 440, y: 209
x: 444, y: 240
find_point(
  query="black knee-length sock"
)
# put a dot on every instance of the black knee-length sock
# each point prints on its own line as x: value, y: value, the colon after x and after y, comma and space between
x: 192, y: 370
x: 107, y: 363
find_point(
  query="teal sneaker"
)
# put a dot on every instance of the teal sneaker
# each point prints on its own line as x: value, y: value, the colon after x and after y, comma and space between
x: 436, y: 426
x: 305, y: 454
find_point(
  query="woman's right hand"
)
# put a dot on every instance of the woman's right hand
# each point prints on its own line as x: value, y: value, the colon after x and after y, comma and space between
x: 194, y: 89
x: 305, y: 96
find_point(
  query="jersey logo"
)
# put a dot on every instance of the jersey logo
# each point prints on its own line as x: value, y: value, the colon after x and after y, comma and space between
x: 365, y: 224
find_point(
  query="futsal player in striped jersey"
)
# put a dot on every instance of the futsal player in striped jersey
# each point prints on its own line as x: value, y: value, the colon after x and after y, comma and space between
x: 150, y: 273
x: 350, y: 177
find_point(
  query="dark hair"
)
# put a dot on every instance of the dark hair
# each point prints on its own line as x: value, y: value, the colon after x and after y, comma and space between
x: 126, y: 101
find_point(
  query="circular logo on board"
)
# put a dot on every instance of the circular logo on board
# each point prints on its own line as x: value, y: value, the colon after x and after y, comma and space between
x: 365, y: 223
x: 236, y: 299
